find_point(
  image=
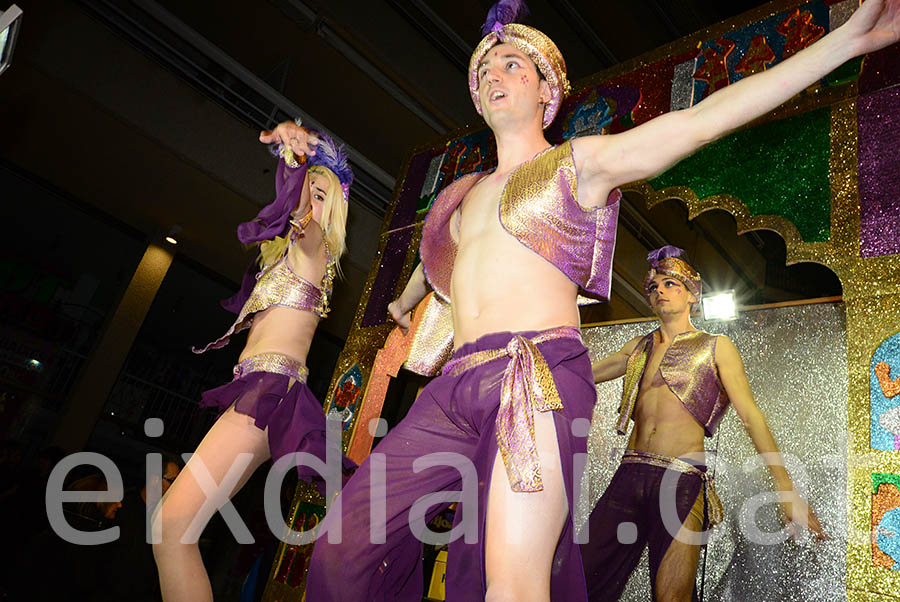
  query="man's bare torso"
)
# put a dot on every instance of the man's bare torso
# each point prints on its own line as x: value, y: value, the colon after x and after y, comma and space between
x: 662, y: 424
x: 498, y: 284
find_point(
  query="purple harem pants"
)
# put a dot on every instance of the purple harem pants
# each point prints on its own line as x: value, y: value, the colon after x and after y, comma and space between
x: 635, y: 495
x: 455, y: 414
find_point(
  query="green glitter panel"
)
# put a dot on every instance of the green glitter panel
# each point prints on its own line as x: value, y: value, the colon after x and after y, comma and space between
x: 880, y: 478
x: 778, y: 168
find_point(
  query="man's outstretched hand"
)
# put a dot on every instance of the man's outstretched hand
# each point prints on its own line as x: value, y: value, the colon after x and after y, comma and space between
x: 797, y: 514
x: 874, y: 25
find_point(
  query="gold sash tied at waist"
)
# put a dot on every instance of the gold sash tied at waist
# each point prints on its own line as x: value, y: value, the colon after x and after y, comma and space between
x: 714, y: 511
x: 527, y: 385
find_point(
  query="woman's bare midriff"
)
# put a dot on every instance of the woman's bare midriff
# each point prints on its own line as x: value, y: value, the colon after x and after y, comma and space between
x: 281, y: 330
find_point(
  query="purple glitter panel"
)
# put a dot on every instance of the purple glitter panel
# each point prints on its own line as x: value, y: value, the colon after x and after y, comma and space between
x: 405, y: 210
x: 879, y: 173
x: 385, y: 286
x: 880, y: 70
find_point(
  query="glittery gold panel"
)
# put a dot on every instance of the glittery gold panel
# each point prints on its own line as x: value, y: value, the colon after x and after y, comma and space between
x: 432, y: 332
x: 859, y: 596
x: 870, y: 320
x: 796, y: 363
x: 363, y: 343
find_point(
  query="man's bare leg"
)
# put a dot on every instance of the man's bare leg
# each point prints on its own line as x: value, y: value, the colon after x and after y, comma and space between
x: 678, y: 570
x: 522, y: 529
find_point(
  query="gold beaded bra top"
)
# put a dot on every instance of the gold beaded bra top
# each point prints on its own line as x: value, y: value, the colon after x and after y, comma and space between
x: 278, y: 285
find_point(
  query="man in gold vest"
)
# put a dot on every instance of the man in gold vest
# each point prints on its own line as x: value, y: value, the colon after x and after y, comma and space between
x: 679, y: 381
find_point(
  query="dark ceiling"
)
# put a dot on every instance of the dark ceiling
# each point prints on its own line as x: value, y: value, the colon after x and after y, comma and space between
x: 148, y: 110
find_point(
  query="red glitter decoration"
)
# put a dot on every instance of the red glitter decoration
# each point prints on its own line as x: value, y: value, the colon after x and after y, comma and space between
x: 714, y: 70
x: 757, y: 57
x: 799, y: 31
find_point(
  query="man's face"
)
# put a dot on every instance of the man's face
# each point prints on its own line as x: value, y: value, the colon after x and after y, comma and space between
x: 510, y: 87
x: 669, y: 296
x: 168, y: 477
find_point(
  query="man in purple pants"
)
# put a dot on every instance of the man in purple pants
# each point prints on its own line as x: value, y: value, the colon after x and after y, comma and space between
x: 679, y: 382
x: 511, y: 250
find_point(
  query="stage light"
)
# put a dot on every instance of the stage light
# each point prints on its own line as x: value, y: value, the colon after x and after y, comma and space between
x: 10, y: 23
x: 719, y: 306
x: 34, y: 365
x: 172, y: 236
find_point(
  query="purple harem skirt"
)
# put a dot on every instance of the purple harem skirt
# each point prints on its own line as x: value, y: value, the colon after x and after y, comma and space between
x: 262, y: 389
x: 455, y: 414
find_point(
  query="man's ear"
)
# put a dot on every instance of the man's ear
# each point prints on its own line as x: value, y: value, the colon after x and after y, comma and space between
x: 544, y: 92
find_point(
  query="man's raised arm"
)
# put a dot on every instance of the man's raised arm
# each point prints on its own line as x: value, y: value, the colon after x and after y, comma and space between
x: 651, y: 148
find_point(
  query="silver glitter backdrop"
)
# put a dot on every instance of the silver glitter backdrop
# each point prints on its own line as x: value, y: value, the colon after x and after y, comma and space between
x: 796, y: 361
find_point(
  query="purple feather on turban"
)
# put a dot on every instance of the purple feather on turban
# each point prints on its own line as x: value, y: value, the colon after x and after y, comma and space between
x: 504, y: 13
x: 661, y: 253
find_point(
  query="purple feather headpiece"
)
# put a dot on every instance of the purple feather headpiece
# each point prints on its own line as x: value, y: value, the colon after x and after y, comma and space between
x: 504, y: 13
x: 330, y: 155
x: 661, y: 253
x: 667, y: 261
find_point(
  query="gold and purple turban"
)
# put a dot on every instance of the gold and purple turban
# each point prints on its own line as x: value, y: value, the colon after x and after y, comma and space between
x: 668, y: 262
x: 500, y: 29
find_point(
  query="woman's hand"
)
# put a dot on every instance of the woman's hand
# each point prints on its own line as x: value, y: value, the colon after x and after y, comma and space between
x: 300, y: 140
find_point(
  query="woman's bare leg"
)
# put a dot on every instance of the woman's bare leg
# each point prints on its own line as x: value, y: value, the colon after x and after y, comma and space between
x: 231, y: 451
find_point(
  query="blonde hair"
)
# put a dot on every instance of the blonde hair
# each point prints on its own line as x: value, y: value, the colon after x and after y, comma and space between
x: 333, y: 224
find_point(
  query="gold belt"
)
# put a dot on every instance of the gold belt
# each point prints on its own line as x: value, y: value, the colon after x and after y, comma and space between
x: 276, y: 363
x: 527, y: 385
